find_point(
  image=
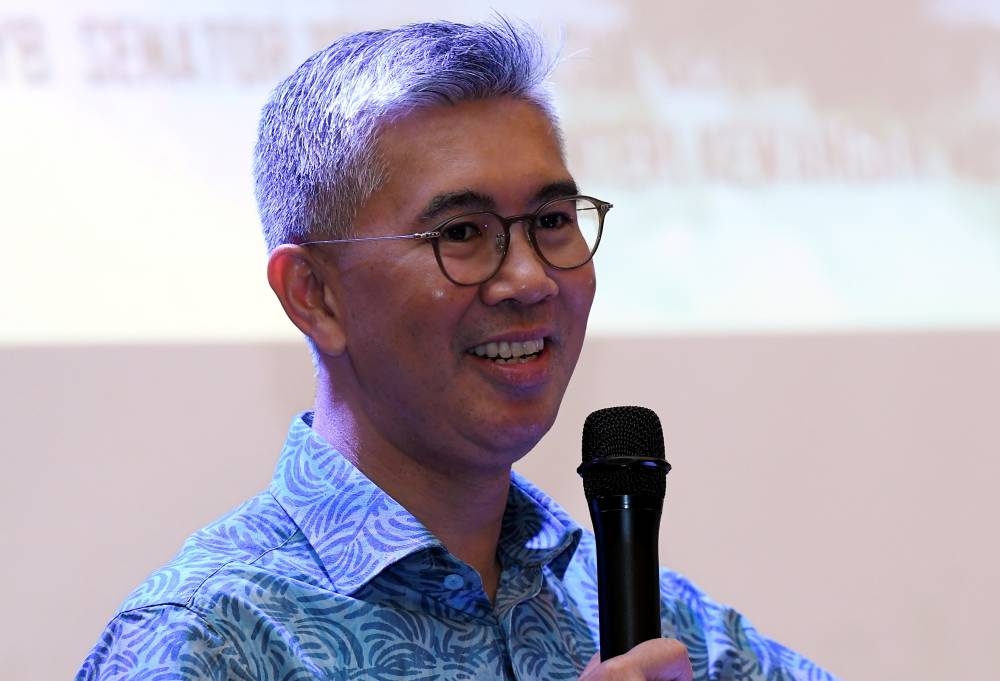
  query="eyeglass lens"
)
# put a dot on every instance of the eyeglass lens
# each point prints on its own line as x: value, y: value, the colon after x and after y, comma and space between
x: 566, y: 234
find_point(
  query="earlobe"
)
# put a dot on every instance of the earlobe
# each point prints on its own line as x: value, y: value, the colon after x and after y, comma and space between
x: 310, y: 303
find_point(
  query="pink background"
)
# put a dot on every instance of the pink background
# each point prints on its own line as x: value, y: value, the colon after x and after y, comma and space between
x: 838, y: 489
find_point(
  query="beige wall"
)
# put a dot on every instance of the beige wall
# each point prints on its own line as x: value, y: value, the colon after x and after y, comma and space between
x: 839, y: 489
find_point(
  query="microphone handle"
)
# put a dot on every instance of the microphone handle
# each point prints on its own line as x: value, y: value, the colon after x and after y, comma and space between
x: 627, y: 530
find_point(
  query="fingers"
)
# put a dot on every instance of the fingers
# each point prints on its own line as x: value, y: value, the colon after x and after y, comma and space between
x: 662, y: 659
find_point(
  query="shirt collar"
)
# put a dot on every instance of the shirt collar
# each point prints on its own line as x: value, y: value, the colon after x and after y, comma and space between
x: 536, y: 530
x: 357, y: 530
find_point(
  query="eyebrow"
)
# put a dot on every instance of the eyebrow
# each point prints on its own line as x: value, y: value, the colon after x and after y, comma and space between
x: 556, y: 190
x: 467, y: 199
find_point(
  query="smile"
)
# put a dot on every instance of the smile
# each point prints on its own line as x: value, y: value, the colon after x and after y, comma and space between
x: 510, y: 353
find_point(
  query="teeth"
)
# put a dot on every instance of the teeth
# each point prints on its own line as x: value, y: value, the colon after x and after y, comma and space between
x: 509, y: 351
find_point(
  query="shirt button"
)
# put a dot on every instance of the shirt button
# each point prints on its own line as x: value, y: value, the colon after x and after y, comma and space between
x: 453, y: 582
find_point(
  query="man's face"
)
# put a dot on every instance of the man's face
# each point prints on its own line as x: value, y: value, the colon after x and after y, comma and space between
x: 413, y: 369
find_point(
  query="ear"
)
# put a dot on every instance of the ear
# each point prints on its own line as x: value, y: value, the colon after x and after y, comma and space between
x: 296, y: 277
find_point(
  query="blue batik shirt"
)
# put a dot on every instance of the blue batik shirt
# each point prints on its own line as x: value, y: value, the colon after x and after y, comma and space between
x: 324, y: 576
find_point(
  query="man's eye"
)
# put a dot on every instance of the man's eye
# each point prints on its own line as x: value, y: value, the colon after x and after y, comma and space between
x: 554, y: 220
x: 461, y: 231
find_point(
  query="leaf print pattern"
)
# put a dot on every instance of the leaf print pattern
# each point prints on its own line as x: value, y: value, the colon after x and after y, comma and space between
x: 324, y: 576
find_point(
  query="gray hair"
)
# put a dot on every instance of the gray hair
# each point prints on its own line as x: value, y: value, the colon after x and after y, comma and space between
x: 316, y: 159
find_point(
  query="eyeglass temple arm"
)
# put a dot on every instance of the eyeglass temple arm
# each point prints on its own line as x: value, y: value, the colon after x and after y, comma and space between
x: 418, y: 235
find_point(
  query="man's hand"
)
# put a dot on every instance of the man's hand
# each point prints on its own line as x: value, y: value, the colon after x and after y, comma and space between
x: 662, y: 659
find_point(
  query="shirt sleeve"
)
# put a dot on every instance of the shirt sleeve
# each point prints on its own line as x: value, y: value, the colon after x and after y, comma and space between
x: 162, y: 642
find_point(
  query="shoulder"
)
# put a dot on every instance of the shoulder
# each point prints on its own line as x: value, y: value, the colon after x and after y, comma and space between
x: 162, y: 641
x: 175, y: 624
x: 246, y: 535
x: 721, y: 642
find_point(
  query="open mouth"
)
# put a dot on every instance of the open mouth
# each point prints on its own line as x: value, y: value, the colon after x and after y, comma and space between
x: 516, y: 352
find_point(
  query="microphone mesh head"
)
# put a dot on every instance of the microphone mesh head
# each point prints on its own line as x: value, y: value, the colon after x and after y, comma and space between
x: 623, y: 432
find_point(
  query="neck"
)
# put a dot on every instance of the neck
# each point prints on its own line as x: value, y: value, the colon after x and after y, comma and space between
x: 463, y: 509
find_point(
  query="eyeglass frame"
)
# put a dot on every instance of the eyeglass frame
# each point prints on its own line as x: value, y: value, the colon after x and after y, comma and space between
x: 529, y: 220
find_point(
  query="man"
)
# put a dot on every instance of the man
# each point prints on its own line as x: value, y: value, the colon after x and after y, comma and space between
x: 428, y: 239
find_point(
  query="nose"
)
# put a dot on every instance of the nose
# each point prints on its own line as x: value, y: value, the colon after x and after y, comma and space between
x: 522, y: 276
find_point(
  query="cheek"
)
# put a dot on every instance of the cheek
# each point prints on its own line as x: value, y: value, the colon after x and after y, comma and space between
x: 433, y: 313
x: 591, y: 287
x: 580, y: 290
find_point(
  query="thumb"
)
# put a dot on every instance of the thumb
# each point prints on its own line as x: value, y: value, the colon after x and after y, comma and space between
x: 592, y: 665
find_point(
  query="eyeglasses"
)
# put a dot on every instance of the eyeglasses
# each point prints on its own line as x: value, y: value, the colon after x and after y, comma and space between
x: 470, y: 248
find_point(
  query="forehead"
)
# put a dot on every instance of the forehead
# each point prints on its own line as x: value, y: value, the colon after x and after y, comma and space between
x: 506, y: 149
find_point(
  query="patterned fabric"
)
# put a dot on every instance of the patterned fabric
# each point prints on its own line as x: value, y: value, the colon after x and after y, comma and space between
x: 324, y: 576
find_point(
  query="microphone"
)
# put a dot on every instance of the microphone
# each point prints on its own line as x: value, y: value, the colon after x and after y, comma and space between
x: 624, y: 479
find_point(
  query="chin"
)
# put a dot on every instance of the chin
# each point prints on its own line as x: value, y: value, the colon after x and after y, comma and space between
x: 516, y: 435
